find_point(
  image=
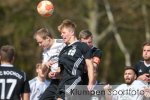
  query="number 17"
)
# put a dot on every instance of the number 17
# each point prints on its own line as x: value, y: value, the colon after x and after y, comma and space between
x: 4, y: 82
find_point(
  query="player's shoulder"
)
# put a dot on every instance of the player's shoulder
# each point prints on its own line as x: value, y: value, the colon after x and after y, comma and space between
x: 80, y: 44
x: 59, y: 43
x: 32, y: 81
x: 96, y: 52
x: 12, y: 69
x: 139, y: 84
x: 122, y: 86
x: 47, y: 82
x: 59, y: 40
x: 96, y: 49
x: 20, y: 71
x: 140, y: 63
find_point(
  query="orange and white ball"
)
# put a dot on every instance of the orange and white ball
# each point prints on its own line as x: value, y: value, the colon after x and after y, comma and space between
x: 45, y: 8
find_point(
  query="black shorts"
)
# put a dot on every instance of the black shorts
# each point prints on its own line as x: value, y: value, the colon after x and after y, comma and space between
x: 71, y: 83
x: 50, y: 92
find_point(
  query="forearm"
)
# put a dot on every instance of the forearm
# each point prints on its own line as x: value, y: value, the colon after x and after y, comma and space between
x: 107, y: 89
x: 144, y: 77
x: 25, y: 96
x: 90, y: 69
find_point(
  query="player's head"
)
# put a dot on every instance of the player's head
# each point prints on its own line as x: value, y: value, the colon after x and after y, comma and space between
x: 130, y: 74
x: 86, y: 36
x: 67, y: 30
x: 44, y: 38
x: 41, y: 74
x: 146, y: 51
x: 7, y: 53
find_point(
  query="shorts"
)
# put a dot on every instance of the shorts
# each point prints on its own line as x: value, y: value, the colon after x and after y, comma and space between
x: 50, y: 92
x: 71, y: 83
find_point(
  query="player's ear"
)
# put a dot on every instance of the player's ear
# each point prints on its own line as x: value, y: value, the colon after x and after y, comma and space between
x: 13, y: 59
x: 47, y: 37
x: 37, y: 70
x: 71, y: 31
x: 135, y: 76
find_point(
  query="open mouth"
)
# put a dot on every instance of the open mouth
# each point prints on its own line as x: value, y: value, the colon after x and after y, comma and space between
x: 64, y: 38
x: 127, y: 79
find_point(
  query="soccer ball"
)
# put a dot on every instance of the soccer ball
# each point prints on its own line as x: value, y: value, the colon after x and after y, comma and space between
x: 45, y: 8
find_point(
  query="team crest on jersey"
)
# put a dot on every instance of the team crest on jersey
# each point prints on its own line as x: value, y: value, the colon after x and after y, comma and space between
x: 140, y: 71
x: 72, y: 51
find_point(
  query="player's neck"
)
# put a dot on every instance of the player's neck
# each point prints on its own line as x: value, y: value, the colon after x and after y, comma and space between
x: 147, y: 62
x: 72, y: 40
x: 4, y: 62
x: 42, y: 79
x: 51, y: 43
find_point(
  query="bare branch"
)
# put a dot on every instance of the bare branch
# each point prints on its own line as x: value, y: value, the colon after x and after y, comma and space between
x: 116, y: 34
x: 104, y: 33
x: 92, y: 21
x: 145, y: 16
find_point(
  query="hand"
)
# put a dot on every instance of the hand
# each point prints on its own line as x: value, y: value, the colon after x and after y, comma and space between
x: 49, y: 63
x: 147, y: 92
x: 145, y: 77
x: 52, y: 74
x: 107, y: 87
x: 44, y: 68
x: 90, y: 87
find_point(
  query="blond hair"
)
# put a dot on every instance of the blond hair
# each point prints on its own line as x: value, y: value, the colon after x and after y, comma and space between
x: 85, y: 34
x: 67, y: 24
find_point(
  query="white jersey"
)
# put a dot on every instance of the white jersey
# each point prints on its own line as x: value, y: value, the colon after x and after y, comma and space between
x: 130, y: 92
x: 53, y: 53
x: 37, y: 88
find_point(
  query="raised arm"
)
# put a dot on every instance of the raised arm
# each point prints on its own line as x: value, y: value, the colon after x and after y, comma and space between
x: 90, y: 69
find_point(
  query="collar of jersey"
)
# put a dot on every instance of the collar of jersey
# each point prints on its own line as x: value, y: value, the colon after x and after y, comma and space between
x: 147, y: 65
x: 73, y: 42
x: 40, y: 81
x: 6, y: 65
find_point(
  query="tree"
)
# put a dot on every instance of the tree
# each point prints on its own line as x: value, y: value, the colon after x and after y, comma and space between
x: 119, y: 27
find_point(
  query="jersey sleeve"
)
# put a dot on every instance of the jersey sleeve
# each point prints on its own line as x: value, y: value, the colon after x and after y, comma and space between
x: 136, y: 66
x: 86, y: 51
x: 26, y: 87
x: 97, y: 53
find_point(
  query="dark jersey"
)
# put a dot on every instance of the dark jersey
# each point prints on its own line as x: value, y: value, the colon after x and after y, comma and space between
x: 72, y: 62
x: 141, y: 68
x: 12, y: 83
x: 94, y: 52
x: 71, y: 59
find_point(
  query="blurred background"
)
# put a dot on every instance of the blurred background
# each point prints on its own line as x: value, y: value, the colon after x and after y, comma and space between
x: 119, y: 27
